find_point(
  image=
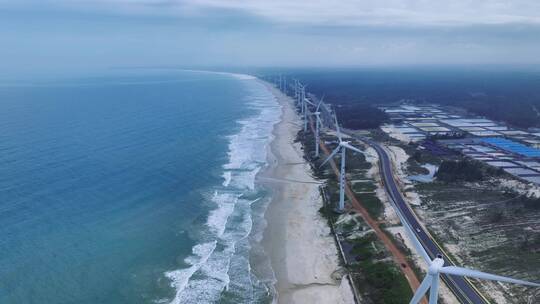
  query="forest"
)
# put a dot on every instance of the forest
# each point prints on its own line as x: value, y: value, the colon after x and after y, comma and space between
x: 360, y: 116
x: 465, y: 170
x: 503, y: 93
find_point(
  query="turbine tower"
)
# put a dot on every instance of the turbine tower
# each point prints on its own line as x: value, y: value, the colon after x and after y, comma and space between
x: 318, y: 124
x: 436, y: 267
x: 303, y: 99
x: 299, y: 96
x: 342, y: 146
x: 305, y: 103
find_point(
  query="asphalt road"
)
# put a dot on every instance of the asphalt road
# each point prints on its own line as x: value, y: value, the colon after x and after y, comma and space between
x: 461, y: 287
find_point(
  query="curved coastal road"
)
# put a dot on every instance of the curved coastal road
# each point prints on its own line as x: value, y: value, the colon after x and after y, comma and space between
x: 464, y: 291
x: 462, y: 288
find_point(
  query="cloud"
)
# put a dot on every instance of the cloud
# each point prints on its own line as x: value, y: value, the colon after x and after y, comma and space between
x: 50, y: 34
x: 388, y: 12
x: 333, y: 13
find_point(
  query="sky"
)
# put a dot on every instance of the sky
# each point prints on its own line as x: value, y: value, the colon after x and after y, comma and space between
x: 51, y: 35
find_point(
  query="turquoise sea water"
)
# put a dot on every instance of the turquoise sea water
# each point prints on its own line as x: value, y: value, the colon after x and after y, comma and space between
x: 134, y: 187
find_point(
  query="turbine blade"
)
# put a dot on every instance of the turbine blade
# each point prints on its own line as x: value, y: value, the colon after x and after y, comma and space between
x: 416, y: 243
x: 421, y: 291
x: 320, y: 102
x: 337, y: 127
x: 311, y: 103
x: 454, y: 270
x: 336, y: 150
x: 353, y: 148
x: 434, y: 290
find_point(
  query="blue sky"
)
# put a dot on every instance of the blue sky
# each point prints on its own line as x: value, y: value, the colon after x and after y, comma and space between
x: 48, y: 35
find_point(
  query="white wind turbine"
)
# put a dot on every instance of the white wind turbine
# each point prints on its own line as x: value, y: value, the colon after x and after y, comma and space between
x: 436, y: 267
x: 306, y: 110
x: 343, y: 146
x: 303, y: 98
x: 304, y: 105
x: 299, y: 95
x: 318, y: 124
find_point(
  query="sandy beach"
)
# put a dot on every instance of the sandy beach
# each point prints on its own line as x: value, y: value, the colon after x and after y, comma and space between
x: 297, y: 239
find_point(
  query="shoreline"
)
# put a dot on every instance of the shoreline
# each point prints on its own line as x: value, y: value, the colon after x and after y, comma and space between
x: 297, y: 240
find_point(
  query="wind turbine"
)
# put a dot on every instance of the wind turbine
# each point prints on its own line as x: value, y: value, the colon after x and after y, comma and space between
x: 299, y: 94
x: 342, y: 146
x: 306, y: 101
x: 436, y: 267
x: 318, y: 124
x: 303, y: 99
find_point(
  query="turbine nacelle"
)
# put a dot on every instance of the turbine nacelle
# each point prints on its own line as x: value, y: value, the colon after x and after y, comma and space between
x: 344, y: 143
x: 435, y: 266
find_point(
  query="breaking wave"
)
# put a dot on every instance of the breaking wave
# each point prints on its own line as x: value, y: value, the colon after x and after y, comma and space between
x: 219, y: 268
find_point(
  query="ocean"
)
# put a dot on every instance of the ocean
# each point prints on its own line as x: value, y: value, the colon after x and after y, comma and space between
x: 134, y: 186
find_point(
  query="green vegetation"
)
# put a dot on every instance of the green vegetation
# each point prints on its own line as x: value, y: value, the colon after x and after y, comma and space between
x: 364, y: 186
x: 383, y: 282
x: 360, y: 116
x: 500, y: 220
x: 442, y: 194
x: 419, y: 156
x: 327, y: 210
x: 465, y: 170
x: 362, y: 247
x: 372, y: 204
x: 495, y: 215
x: 531, y: 202
x: 511, y: 95
x: 520, y: 113
x: 415, y: 168
x: 357, y: 161
x: 382, y: 137
x: 454, y: 135
x: 407, y: 252
x: 348, y: 226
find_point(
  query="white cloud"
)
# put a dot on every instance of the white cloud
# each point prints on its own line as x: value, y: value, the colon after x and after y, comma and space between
x: 51, y: 33
x: 388, y: 12
x: 341, y: 12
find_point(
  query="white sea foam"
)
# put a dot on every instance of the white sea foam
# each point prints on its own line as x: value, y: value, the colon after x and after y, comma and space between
x: 227, y: 176
x: 243, y: 76
x: 235, y: 75
x: 180, y: 278
x: 214, y: 274
x: 217, y: 220
x: 230, y: 223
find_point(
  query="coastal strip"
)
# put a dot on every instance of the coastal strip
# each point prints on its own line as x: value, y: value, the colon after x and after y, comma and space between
x: 297, y: 239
